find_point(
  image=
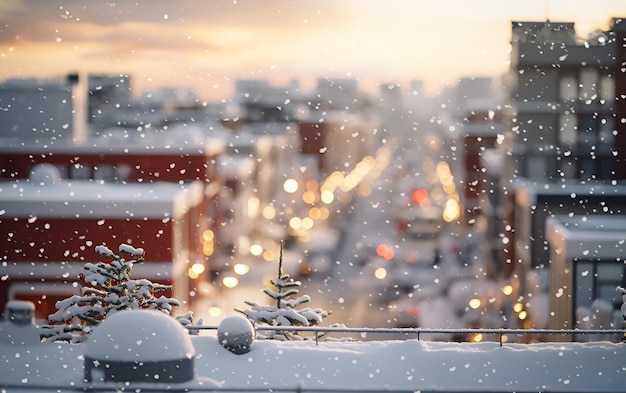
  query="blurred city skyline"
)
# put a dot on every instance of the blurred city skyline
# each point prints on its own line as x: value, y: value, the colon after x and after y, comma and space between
x: 209, y: 45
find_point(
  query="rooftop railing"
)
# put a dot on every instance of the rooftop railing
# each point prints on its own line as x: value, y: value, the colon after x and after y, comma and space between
x: 408, y: 333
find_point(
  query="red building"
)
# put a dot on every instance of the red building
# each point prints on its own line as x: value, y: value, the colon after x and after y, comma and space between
x: 50, y: 229
x: 338, y: 142
x: 164, y: 200
x: 128, y: 162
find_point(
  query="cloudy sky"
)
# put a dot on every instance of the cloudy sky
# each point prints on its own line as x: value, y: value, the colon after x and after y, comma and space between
x: 207, y: 45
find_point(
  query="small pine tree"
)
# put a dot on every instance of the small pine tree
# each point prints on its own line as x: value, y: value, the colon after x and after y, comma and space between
x: 109, y: 289
x: 284, y: 313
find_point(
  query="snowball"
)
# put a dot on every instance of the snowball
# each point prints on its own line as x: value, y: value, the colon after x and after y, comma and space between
x: 236, y: 334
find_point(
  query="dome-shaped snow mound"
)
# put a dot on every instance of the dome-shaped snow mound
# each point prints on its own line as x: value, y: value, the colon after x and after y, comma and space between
x: 236, y: 334
x: 44, y: 174
x: 139, y: 345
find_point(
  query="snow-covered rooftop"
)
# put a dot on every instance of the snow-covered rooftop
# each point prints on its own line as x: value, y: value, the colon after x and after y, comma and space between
x: 375, y: 365
x: 112, y: 143
x: 97, y: 199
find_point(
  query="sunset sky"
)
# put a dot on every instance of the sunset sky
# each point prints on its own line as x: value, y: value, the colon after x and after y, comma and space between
x: 207, y: 45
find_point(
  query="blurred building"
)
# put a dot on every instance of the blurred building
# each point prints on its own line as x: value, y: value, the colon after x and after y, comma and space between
x: 139, y: 187
x: 563, y: 93
x: 50, y: 228
x: 563, y: 133
x: 587, y: 255
x: 37, y: 111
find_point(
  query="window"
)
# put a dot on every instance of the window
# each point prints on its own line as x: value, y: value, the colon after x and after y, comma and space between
x: 605, y: 133
x: 588, y: 83
x: 568, y: 129
x: 568, y: 167
x: 568, y: 88
x: 597, y: 280
x: 80, y: 172
x: 588, y: 132
x: 104, y: 172
x: 537, y: 167
x: 607, y: 88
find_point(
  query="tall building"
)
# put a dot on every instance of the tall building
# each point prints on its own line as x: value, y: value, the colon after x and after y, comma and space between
x: 566, y: 100
x: 564, y: 139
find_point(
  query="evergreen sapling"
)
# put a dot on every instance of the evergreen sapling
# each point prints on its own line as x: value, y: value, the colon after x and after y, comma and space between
x: 284, y: 313
x: 109, y: 289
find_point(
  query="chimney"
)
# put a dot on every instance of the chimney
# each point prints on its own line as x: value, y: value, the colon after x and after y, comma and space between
x: 78, y: 84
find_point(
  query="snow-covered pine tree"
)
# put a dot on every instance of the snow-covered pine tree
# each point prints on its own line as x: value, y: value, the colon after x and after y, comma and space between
x: 109, y: 289
x: 284, y: 313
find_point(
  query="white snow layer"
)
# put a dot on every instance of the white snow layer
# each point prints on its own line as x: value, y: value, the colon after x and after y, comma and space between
x: 409, y: 365
x: 144, y: 335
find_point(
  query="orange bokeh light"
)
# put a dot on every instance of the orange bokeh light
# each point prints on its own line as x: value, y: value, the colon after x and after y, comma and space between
x: 420, y: 195
x: 385, y: 251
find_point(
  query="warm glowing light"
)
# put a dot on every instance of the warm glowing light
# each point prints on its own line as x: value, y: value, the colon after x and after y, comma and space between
x: 290, y: 186
x: 309, y: 197
x: 380, y: 273
x: 197, y: 268
x: 295, y: 223
x: 452, y: 211
x: 269, y: 212
x: 522, y: 315
x: 413, y: 312
x: 474, y: 303
x: 385, y: 251
x: 204, y: 287
x: 477, y: 338
x: 315, y: 213
x: 256, y: 250
x: 241, y: 269
x: 208, y: 249
x: 191, y: 274
x: 349, y: 182
x: 215, y: 311
x: 208, y: 235
x: 269, y: 256
x: 518, y: 307
x: 419, y: 196
x: 327, y: 197
x: 507, y: 289
x: 307, y: 223
x: 437, y: 193
x: 449, y: 187
x: 230, y: 282
x: 253, y: 207
x: 364, y: 190
x: 311, y: 185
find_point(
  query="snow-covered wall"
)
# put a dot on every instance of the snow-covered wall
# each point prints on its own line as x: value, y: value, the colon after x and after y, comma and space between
x: 407, y: 365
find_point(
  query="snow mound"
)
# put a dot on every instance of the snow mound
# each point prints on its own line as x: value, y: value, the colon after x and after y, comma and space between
x: 45, y: 174
x: 236, y: 334
x: 132, y: 335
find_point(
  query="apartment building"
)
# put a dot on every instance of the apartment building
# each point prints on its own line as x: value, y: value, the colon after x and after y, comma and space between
x: 564, y: 136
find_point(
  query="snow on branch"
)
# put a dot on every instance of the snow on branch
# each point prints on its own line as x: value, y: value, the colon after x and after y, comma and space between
x: 108, y: 289
x: 285, y: 312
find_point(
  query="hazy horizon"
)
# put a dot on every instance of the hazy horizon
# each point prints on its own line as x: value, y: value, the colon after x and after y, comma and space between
x: 209, y: 45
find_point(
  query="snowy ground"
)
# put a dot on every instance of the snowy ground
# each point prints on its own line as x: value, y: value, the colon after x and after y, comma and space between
x: 406, y: 365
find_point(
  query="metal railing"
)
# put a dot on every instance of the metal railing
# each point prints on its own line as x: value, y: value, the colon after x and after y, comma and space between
x: 418, y: 332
